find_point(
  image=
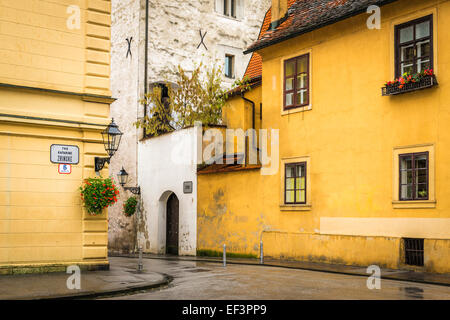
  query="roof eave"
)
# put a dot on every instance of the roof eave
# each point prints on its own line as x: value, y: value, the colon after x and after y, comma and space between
x: 296, y: 34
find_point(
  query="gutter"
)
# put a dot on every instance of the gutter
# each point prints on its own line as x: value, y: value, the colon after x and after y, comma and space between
x: 253, y: 120
x: 315, y: 27
x: 254, y: 82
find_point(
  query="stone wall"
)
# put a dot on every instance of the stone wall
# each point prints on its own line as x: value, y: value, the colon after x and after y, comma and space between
x: 126, y: 15
x: 174, y: 35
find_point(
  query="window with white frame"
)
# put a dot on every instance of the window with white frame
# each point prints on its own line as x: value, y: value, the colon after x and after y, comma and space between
x: 230, y: 8
x: 229, y: 65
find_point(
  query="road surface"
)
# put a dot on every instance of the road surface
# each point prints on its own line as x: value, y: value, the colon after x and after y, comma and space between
x: 206, y: 281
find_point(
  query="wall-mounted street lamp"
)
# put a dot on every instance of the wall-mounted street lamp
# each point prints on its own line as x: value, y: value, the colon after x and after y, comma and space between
x: 123, y: 179
x: 111, y: 141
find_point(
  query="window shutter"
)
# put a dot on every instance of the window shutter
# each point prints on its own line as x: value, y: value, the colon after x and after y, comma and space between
x: 240, y: 9
x: 219, y: 6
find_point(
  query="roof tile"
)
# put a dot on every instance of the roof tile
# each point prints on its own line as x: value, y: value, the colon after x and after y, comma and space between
x: 307, y: 15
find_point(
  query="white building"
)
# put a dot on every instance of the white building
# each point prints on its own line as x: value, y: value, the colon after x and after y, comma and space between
x: 168, y: 178
x: 182, y: 33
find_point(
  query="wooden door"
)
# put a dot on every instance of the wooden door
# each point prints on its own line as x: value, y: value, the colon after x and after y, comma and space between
x: 172, y: 225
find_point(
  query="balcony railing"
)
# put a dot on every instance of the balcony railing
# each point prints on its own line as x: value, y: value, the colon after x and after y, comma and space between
x: 425, y: 82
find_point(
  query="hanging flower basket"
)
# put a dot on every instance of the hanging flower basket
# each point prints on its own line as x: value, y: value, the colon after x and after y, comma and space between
x: 97, y: 194
x: 409, y: 82
x: 129, y: 207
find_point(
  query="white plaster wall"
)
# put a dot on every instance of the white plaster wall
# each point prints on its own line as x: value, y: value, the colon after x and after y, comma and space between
x: 173, y: 39
x: 165, y: 162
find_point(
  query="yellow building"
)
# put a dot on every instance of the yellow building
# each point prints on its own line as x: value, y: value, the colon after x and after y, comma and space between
x: 54, y: 90
x: 363, y: 172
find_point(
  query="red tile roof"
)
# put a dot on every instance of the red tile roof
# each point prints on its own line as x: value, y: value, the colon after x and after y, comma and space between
x: 254, y: 68
x: 307, y: 15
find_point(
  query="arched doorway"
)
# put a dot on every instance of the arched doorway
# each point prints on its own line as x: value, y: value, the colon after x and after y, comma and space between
x: 172, y: 214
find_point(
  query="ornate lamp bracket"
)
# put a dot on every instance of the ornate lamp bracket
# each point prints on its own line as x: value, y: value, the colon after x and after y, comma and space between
x: 133, y: 190
x: 100, y: 163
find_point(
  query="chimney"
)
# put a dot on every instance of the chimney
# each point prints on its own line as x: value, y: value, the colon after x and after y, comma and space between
x: 279, y: 10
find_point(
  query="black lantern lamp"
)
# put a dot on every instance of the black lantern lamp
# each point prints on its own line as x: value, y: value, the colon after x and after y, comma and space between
x: 111, y: 141
x: 123, y: 179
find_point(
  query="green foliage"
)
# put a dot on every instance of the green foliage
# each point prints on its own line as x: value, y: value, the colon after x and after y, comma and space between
x: 129, y: 207
x: 423, y: 193
x: 98, y: 194
x: 214, y: 253
x: 196, y: 96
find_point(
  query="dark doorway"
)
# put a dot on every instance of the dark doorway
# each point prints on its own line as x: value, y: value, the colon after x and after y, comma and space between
x: 172, y: 225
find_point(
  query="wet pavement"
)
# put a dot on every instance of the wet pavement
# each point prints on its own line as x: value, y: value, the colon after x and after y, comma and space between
x: 121, y: 278
x: 198, y: 280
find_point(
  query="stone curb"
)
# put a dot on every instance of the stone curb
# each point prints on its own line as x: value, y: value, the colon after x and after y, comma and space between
x: 256, y: 263
x: 105, y: 293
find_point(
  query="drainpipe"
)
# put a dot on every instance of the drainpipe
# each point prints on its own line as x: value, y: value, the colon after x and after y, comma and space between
x: 140, y: 216
x: 146, y: 60
x: 261, y: 251
x: 253, y: 119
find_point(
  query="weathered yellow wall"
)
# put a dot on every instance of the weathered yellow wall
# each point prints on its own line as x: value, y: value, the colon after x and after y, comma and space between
x: 37, y: 49
x: 227, y: 212
x: 42, y: 221
x: 350, y: 134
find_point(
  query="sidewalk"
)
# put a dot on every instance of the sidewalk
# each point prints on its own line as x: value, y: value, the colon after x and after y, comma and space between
x: 391, y: 274
x: 122, y: 278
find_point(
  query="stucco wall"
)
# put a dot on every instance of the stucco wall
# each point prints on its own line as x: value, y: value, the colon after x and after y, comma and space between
x: 42, y: 221
x: 352, y: 136
x: 165, y: 162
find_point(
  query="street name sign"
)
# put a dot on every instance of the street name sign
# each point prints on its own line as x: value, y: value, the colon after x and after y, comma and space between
x: 64, y: 154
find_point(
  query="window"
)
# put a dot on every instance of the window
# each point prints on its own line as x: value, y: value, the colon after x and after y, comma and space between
x: 414, y: 46
x: 229, y: 8
x: 414, y: 253
x: 414, y: 176
x: 296, y: 82
x: 229, y: 66
x: 295, y: 183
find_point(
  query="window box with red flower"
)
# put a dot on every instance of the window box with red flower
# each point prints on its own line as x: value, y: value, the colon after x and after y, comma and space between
x: 410, y: 82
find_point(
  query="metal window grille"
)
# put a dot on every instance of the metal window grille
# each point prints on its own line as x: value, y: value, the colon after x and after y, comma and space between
x: 414, y: 252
